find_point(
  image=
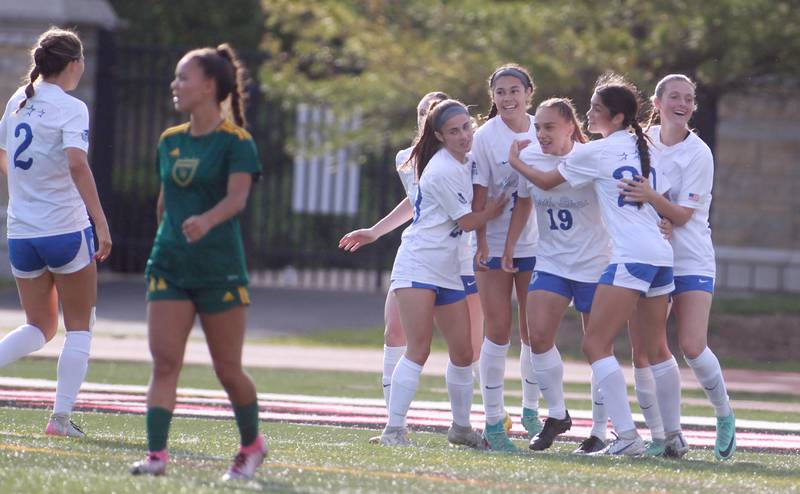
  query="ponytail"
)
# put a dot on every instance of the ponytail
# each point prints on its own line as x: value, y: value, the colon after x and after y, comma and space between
x: 642, y: 145
x: 29, y: 88
x: 224, y: 66
x: 54, y: 50
x: 622, y: 97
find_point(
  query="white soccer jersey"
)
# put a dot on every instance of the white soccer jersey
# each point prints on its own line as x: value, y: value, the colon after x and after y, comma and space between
x: 689, y: 165
x: 406, y: 172
x: 634, y: 232
x: 573, y: 240
x: 43, y: 199
x: 429, y: 251
x: 490, y: 149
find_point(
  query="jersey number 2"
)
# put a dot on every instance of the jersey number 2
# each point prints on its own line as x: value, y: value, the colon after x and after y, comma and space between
x: 619, y: 174
x: 26, y: 142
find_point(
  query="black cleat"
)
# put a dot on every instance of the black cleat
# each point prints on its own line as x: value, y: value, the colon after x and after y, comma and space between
x: 552, y: 428
x: 590, y: 445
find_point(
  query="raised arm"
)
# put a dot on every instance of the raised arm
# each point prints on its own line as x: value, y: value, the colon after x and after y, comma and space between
x: 356, y: 239
x: 544, y: 180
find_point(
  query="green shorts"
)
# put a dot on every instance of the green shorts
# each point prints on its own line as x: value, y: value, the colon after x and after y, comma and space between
x: 206, y: 299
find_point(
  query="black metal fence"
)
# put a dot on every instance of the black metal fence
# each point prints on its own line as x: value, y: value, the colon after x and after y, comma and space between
x: 134, y: 106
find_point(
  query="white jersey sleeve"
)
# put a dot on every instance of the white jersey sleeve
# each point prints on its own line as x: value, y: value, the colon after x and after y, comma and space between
x: 581, y: 167
x: 4, y: 130
x: 75, y: 128
x: 698, y: 179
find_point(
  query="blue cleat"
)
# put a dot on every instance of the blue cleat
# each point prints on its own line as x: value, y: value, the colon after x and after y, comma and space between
x: 725, y: 445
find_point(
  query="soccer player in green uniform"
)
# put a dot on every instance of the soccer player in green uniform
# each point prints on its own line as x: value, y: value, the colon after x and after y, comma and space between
x: 197, y: 264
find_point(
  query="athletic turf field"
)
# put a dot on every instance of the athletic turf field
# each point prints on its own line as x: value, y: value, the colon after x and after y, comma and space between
x: 307, y: 457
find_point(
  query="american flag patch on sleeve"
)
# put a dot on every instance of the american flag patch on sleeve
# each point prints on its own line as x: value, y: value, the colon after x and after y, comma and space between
x: 694, y: 197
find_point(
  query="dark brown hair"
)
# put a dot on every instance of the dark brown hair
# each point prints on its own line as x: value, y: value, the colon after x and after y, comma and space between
x: 622, y: 97
x: 526, y: 81
x: 224, y: 66
x: 659, y: 92
x: 567, y: 111
x: 427, y: 144
x: 54, y: 50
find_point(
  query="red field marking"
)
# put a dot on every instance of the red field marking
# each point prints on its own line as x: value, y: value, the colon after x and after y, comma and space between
x: 351, y: 412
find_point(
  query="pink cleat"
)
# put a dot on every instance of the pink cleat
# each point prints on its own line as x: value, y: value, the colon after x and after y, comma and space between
x: 60, y: 425
x: 154, y: 464
x: 247, y: 461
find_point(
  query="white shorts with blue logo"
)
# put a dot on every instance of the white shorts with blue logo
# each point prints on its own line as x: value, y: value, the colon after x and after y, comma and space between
x: 652, y: 281
x: 61, y: 254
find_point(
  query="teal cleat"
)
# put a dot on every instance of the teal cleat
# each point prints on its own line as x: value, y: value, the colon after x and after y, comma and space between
x: 530, y: 421
x: 726, y: 437
x: 656, y: 447
x: 496, y: 438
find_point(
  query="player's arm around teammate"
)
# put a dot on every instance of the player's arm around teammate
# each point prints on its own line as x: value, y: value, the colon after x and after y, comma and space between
x: 641, y: 261
x: 197, y: 265
x: 574, y: 248
x: 690, y: 164
x: 425, y: 276
x: 51, y: 187
x: 511, y: 90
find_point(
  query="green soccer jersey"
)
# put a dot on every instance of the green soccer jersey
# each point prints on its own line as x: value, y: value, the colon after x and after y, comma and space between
x: 194, y: 173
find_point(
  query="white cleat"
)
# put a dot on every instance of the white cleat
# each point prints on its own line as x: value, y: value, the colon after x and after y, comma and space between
x: 60, y: 425
x: 247, y: 461
x: 676, y: 446
x: 459, y: 435
x: 633, y: 445
x: 395, y: 436
x: 154, y: 464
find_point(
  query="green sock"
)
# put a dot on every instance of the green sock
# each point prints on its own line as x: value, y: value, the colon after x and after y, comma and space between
x: 247, y: 421
x: 158, y: 420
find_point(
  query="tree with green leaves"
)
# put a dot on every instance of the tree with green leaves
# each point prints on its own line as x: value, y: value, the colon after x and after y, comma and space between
x: 381, y: 55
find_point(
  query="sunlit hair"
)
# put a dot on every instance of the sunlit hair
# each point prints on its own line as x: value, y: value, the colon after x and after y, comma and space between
x: 526, y: 80
x: 655, y: 116
x: 622, y: 97
x: 430, y: 98
x: 224, y: 66
x: 427, y: 144
x: 51, y: 54
x: 567, y: 111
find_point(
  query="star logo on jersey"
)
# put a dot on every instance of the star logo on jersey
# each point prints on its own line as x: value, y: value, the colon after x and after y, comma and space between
x: 175, y: 152
x: 183, y: 171
x: 85, y: 135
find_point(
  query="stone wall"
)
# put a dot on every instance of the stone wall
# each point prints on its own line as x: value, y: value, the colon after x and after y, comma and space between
x: 756, y: 209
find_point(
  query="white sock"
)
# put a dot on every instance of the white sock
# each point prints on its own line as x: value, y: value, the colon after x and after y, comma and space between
x: 391, y: 355
x: 599, y: 414
x: 493, y: 370
x: 405, y: 380
x: 476, y: 371
x: 459, y: 388
x: 709, y: 374
x: 668, y: 391
x: 72, y: 364
x: 646, y: 395
x: 530, y: 384
x: 550, y: 374
x: 20, y: 342
x: 607, y: 375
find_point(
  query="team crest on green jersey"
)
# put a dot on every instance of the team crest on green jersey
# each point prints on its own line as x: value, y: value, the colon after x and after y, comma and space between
x: 183, y: 171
